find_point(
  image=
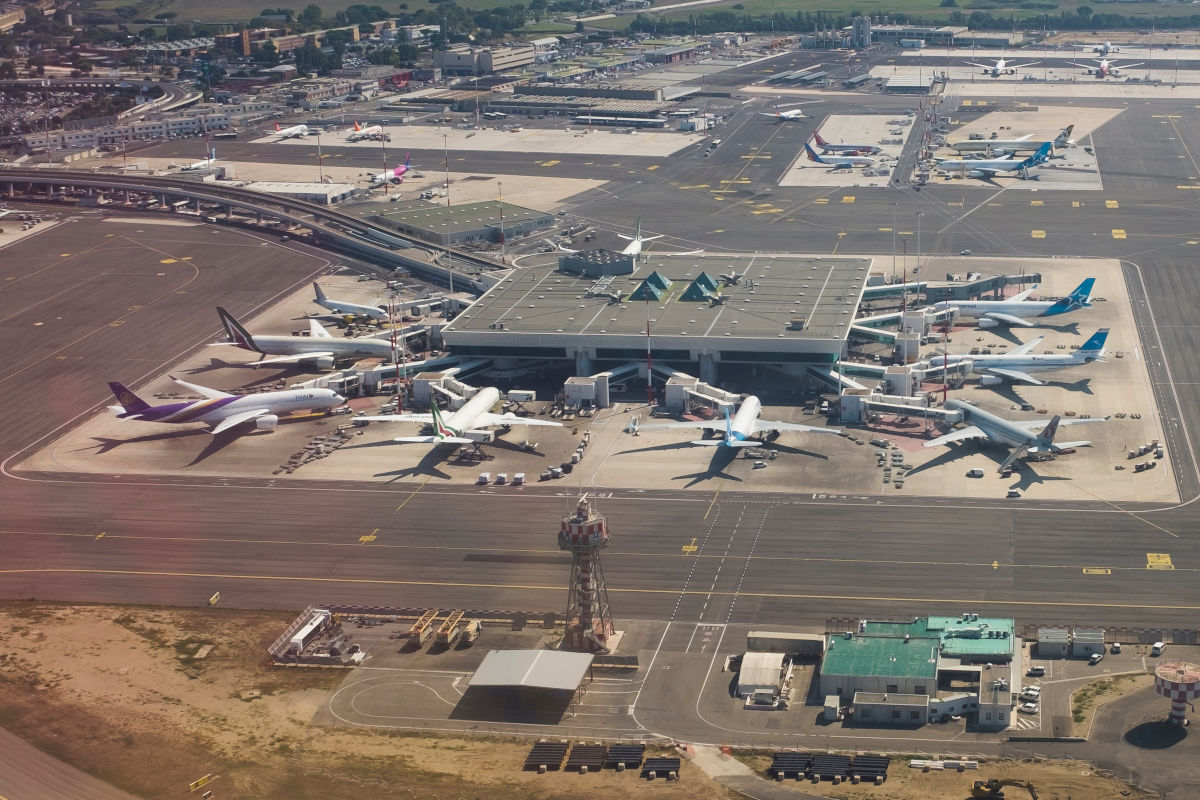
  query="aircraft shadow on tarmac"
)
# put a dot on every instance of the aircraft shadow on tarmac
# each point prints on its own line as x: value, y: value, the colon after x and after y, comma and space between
x: 214, y: 445
x: 261, y: 378
x: 427, y: 465
x: 1011, y: 393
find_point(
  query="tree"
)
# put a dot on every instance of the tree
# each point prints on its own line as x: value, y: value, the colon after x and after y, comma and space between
x: 579, y: 27
x: 311, y: 16
x: 1084, y: 11
x: 166, y: 15
x: 8, y: 71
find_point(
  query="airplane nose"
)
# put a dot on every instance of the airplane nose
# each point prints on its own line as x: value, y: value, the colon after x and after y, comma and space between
x: 337, y: 397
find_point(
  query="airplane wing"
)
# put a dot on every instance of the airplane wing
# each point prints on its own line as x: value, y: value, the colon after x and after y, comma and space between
x: 1026, y: 136
x: 432, y: 440
x: 513, y: 419
x: 317, y: 331
x: 238, y: 419
x: 768, y: 425
x: 1011, y: 319
x: 1128, y: 66
x: 1028, y: 346
x: 1021, y: 296
x: 709, y: 425
x: 1014, y: 375
x: 211, y: 394
x: 1021, y: 66
x: 652, y: 238
x: 426, y: 419
x: 969, y: 432
x: 984, y: 66
x: 294, y: 358
x: 1038, y: 424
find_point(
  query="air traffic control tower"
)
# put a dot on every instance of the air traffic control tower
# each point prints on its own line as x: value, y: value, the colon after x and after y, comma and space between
x: 702, y: 311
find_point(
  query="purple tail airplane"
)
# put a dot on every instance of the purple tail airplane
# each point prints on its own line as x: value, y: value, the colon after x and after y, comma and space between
x: 222, y: 410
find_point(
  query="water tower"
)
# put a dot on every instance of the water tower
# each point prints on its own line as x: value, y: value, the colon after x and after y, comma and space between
x: 1179, y: 682
x: 589, y: 619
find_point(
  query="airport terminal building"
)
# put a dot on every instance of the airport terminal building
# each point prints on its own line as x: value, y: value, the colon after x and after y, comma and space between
x: 694, y: 312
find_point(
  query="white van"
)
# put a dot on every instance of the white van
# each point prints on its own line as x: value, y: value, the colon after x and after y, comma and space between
x: 1157, y: 648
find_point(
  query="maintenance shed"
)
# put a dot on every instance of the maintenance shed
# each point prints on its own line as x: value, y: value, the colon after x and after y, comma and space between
x: 535, y: 686
x: 325, y: 194
x: 761, y: 674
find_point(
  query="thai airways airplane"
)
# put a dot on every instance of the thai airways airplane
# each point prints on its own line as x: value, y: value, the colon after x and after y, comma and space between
x: 991, y: 313
x: 205, y: 164
x: 740, y: 430
x: 1020, y: 436
x: 365, y: 132
x: 395, y: 175
x: 847, y: 149
x: 1017, y: 365
x: 1024, y: 143
x: 346, y: 307
x: 293, y: 132
x: 451, y: 428
x: 1107, y: 68
x: 839, y: 161
x: 1002, y: 67
x: 319, y: 346
x: 791, y: 115
x: 988, y: 168
x: 223, y: 410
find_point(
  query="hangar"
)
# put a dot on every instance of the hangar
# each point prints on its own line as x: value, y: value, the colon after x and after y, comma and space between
x: 695, y: 312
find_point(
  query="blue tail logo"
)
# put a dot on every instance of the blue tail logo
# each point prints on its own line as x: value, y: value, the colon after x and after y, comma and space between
x: 1080, y: 298
x: 1094, y: 346
x: 1040, y: 157
x: 728, y: 427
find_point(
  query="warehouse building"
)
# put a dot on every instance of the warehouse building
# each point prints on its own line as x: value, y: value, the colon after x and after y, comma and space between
x: 890, y: 672
x: 703, y: 312
x: 463, y: 224
x: 325, y: 194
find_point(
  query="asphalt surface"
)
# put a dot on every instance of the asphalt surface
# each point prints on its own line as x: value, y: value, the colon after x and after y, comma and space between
x: 778, y: 559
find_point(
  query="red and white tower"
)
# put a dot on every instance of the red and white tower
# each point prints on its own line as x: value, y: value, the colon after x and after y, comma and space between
x: 589, y: 618
x: 1179, y: 682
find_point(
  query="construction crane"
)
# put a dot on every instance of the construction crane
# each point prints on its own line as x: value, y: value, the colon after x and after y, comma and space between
x: 994, y: 787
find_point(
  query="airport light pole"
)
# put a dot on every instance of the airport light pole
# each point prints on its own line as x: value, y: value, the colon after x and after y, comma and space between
x: 320, y: 160
x: 446, y: 163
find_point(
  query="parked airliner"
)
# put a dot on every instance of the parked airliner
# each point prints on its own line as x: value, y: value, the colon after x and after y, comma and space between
x: 1001, y: 67
x: 1020, y: 436
x: 451, y: 428
x: 1013, y: 311
x: 345, y: 307
x: 319, y: 346
x: 989, y: 168
x: 223, y: 410
x: 839, y: 161
x: 743, y: 429
x: 293, y: 132
x: 1017, y: 365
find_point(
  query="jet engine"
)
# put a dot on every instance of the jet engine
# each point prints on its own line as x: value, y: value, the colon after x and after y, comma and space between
x: 324, y: 362
x: 990, y: 380
x: 266, y: 422
x: 985, y: 322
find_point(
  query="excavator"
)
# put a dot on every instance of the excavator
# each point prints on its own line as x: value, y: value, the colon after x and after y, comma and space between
x: 994, y: 787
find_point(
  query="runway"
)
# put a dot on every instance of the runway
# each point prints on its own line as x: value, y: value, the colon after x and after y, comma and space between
x: 779, y: 559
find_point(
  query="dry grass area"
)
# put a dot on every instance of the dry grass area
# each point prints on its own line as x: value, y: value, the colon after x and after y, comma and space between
x: 116, y: 692
x: 1052, y: 780
x: 1088, y: 699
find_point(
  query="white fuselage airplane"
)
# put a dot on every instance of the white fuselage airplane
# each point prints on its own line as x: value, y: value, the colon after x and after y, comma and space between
x: 394, y: 175
x: 452, y: 428
x: 839, y: 161
x: 634, y: 248
x: 743, y: 429
x: 1017, y: 365
x: 989, y: 168
x: 1001, y: 67
x: 365, y: 132
x: 791, y: 115
x: 1105, y: 49
x: 1021, y: 436
x: 848, y: 149
x: 293, y: 132
x: 1107, y: 68
x: 319, y: 346
x: 1022, y: 144
x: 347, y: 308
x: 223, y: 410
x: 205, y: 164
x: 1013, y: 311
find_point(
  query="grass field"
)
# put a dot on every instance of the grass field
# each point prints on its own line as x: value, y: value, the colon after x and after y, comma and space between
x: 233, y: 11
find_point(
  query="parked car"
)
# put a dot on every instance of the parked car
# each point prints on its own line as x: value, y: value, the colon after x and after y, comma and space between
x: 1036, y: 672
x: 1115, y: 647
x: 1096, y: 658
x: 1028, y: 708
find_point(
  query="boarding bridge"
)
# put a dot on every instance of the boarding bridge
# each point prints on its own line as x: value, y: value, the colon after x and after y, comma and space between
x: 863, y: 333
x: 595, y: 390
x: 893, y: 290
x: 681, y: 388
x: 837, y: 378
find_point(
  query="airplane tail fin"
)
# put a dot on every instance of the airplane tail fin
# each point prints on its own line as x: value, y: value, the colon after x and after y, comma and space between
x: 729, y: 427
x: 276, y: 126
x: 1046, y: 437
x: 357, y: 127
x: 812, y: 156
x: 1093, y: 348
x: 238, y: 335
x: 817, y: 138
x: 406, y: 157
x: 1080, y: 298
x: 1065, y: 136
x: 128, y: 400
x: 441, y: 430
x: 320, y: 293
x: 1040, y: 157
